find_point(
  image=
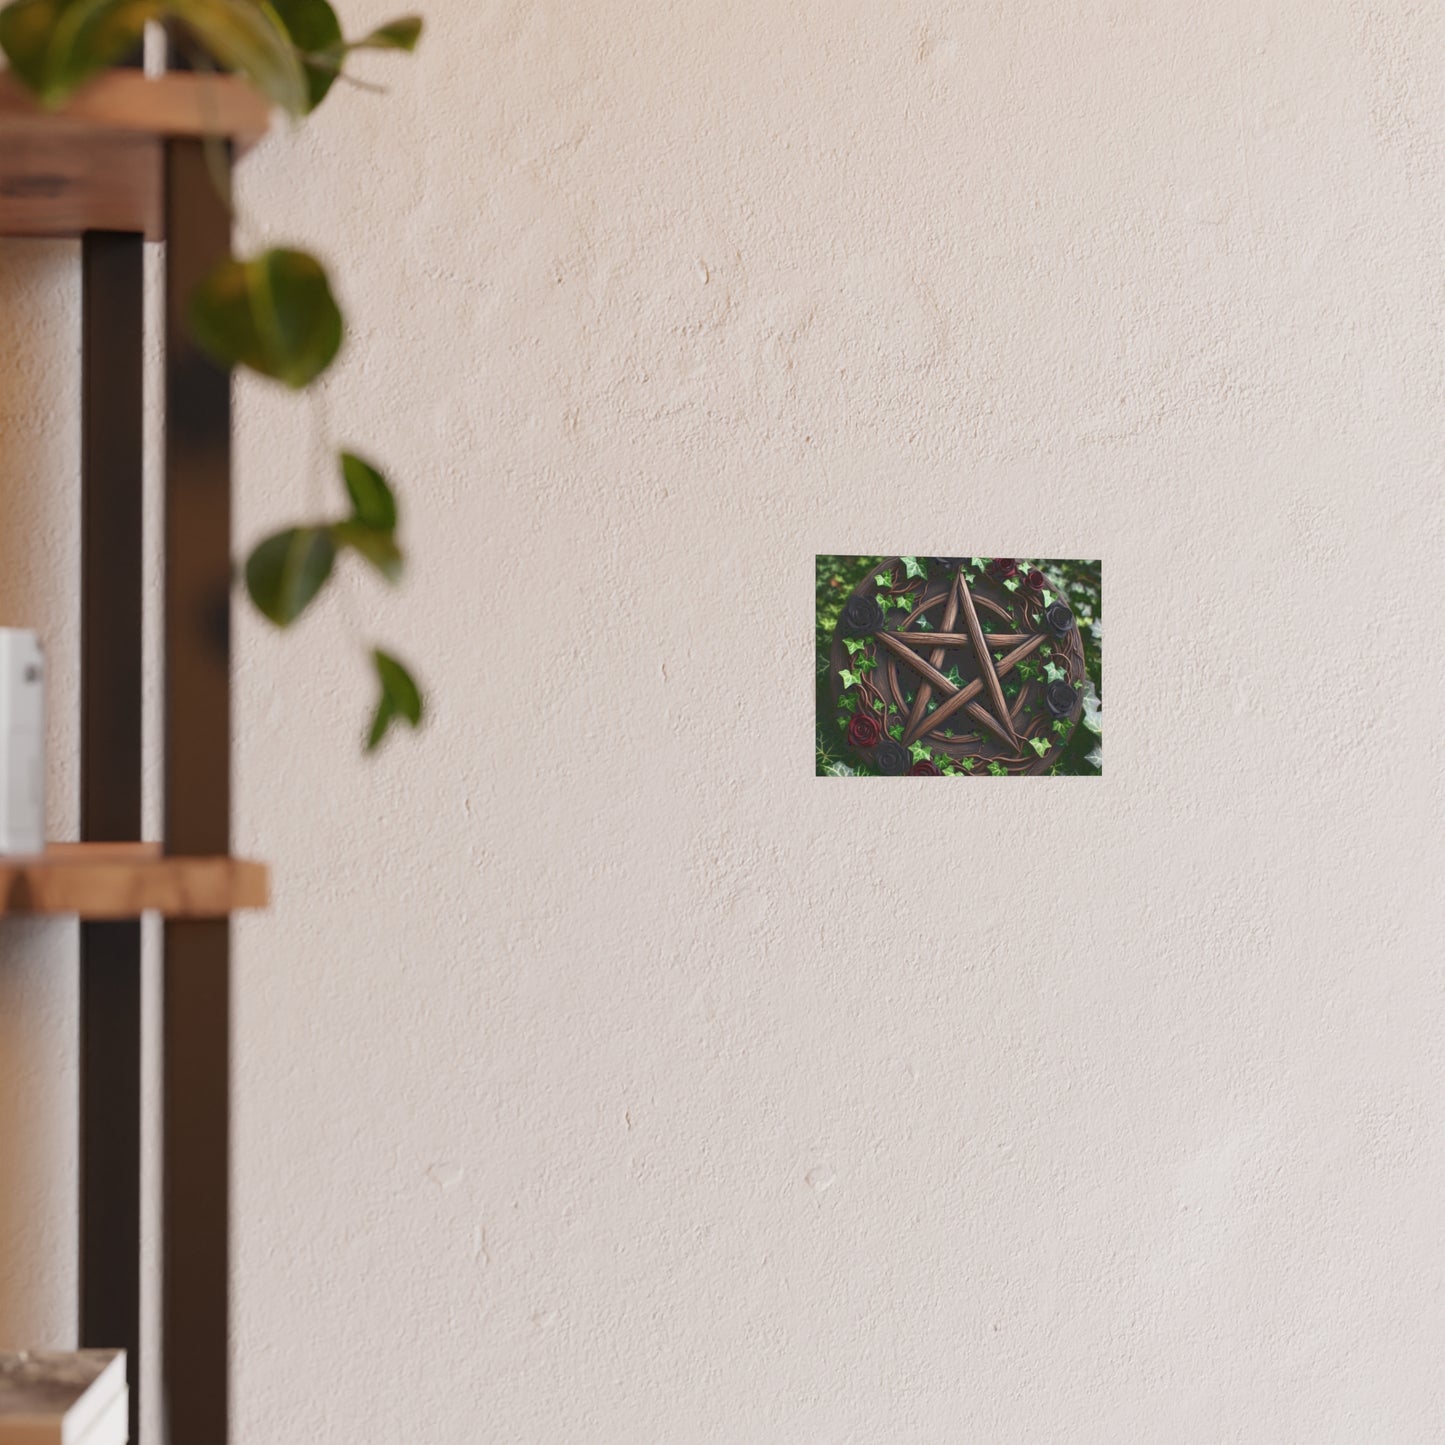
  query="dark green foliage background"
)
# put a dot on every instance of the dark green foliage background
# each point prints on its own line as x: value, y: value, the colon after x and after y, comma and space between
x: 838, y: 576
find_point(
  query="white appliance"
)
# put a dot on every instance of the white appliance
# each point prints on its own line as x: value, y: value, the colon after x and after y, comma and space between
x: 22, y: 726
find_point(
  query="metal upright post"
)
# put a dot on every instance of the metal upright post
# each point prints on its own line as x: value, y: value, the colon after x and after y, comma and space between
x: 197, y: 1031
x: 112, y: 347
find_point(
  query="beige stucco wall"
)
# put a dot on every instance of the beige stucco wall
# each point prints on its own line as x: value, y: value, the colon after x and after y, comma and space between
x: 603, y: 1076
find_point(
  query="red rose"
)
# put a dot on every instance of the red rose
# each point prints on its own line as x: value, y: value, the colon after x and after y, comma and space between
x: 1035, y: 579
x: 865, y: 730
x: 1004, y: 566
x: 924, y: 769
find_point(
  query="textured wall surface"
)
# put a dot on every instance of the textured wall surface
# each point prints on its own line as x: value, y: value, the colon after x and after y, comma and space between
x: 603, y: 1076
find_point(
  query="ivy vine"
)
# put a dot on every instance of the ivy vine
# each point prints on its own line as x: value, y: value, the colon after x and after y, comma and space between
x: 274, y: 313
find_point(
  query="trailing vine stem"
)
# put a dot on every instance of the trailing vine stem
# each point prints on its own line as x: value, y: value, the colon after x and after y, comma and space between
x: 273, y: 313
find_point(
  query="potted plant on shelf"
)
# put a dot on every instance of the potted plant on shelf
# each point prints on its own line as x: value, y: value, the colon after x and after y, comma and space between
x: 273, y: 313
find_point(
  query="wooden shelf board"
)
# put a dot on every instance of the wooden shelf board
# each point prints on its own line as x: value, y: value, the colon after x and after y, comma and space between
x: 124, y: 880
x: 96, y: 163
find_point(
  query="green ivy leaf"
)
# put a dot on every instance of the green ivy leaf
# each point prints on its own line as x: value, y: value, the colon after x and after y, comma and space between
x: 877, y: 704
x: 1040, y: 745
x: 1053, y: 672
x: 920, y: 753
x: 274, y: 314
x: 977, y: 563
x: 1060, y: 726
x: 896, y: 731
x: 1012, y: 583
x: 1048, y: 597
x: 316, y: 33
x: 850, y: 679
x: 400, y: 698
x: 883, y: 580
x: 286, y: 571
x: 855, y: 645
x: 997, y: 769
x: 372, y: 502
x: 249, y: 38
x: 912, y: 567
x: 848, y: 702
x: 924, y: 625
x: 55, y: 46
x: 967, y: 764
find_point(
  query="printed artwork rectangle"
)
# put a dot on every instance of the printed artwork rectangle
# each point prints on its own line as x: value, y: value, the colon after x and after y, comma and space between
x: 959, y: 667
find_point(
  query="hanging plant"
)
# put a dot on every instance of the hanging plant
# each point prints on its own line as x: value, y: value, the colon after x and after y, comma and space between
x: 275, y: 313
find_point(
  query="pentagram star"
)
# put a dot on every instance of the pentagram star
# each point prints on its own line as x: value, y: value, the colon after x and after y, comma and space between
x: 902, y: 645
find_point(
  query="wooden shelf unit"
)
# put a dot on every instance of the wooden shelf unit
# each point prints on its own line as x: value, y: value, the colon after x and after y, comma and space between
x: 124, y: 880
x: 132, y: 159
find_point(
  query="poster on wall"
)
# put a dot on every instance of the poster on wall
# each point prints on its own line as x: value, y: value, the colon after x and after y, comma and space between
x: 959, y: 667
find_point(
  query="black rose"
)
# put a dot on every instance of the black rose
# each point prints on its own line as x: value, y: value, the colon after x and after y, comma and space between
x: 1059, y: 618
x: 862, y: 615
x: 1060, y: 698
x: 892, y: 759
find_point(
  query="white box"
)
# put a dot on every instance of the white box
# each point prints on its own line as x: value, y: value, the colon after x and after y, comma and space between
x: 55, y: 1398
x: 22, y: 732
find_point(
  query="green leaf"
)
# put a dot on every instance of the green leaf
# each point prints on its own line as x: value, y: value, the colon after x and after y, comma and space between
x: 883, y: 580
x: 896, y: 731
x: 274, y: 314
x: 1053, y: 672
x: 855, y: 645
x: 1012, y: 583
x: 372, y: 501
x: 399, y: 34
x: 1048, y: 597
x: 400, y: 698
x: 967, y: 764
x: 919, y: 752
x: 877, y: 704
x: 1040, y: 745
x: 924, y: 625
x: 378, y: 548
x: 997, y: 769
x: 286, y: 571
x: 912, y: 567
x: 978, y: 563
x: 850, y: 679
x: 249, y: 38
x: 54, y: 46
x: 316, y: 33
x: 848, y: 703
x: 1060, y: 726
